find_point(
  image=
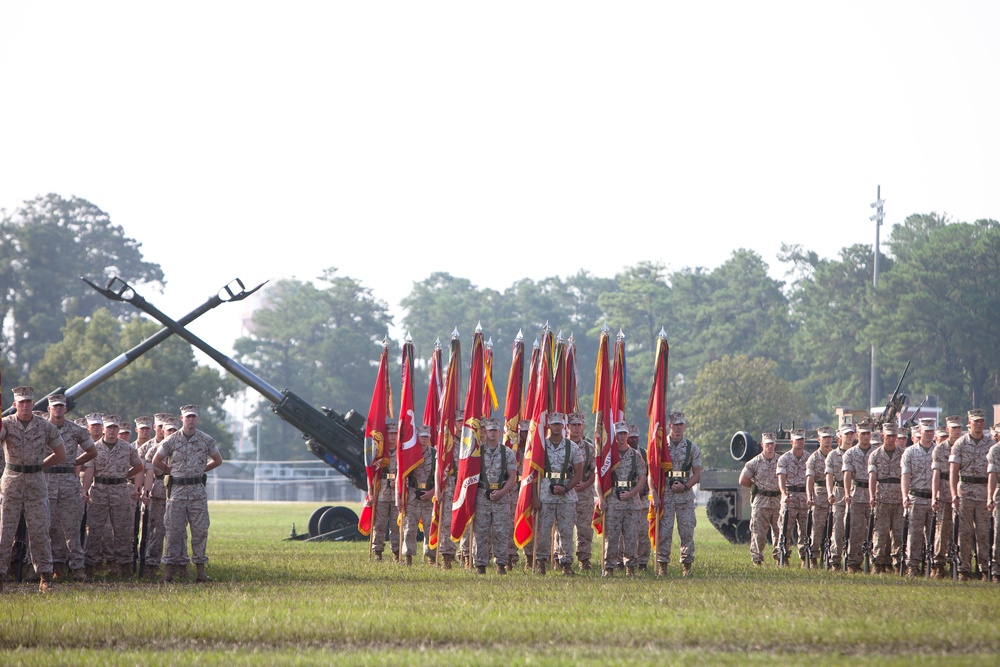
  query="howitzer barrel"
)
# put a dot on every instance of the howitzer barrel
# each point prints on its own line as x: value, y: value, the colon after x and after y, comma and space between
x: 743, y: 447
x: 124, y: 359
x: 336, y: 439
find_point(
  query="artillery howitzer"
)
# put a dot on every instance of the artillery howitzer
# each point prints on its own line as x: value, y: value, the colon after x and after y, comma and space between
x: 225, y: 295
x: 338, y: 440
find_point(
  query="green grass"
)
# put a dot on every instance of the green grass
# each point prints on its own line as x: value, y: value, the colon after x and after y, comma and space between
x: 290, y: 603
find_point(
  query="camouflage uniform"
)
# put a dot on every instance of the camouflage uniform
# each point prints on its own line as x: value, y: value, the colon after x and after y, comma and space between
x: 418, y: 511
x: 492, y: 524
x: 640, y: 512
x: 112, y: 503
x: 835, y: 467
x: 187, y: 504
x: 856, y: 461
x: 156, y: 531
x: 584, y: 507
x: 386, y: 511
x: 65, y: 502
x: 765, y: 505
x: 678, y: 505
x: 973, y: 518
x: 619, y: 516
x: 816, y: 469
x: 889, y: 506
x: 559, y: 511
x: 797, y: 508
x: 916, y: 463
x: 945, y: 514
x: 26, y: 492
x: 993, y: 465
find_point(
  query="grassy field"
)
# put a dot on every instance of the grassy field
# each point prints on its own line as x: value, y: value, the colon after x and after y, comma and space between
x: 292, y: 603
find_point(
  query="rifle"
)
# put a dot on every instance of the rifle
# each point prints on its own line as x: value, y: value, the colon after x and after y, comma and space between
x: 929, y: 547
x: 896, y: 402
x: 912, y: 421
x: 20, y: 549
x: 809, y: 539
x: 83, y: 527
x: 143, y: 540
x: 989, y: 561
x: 954, y: 556
x: 866, y: 546
x: 847, y: 535
x: 137, y: 524
x: 906, y: 534
x: 828, y: 540
x: 783, y: 541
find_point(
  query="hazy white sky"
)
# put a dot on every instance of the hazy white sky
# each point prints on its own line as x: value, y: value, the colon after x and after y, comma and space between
x: 268, y: 140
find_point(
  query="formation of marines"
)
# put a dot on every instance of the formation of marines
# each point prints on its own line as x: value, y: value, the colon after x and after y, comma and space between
x: 919, y: 502
x: 564, y: 510
x: 86, y: 493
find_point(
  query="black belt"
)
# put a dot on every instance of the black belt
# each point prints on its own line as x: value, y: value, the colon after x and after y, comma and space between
x: 769, y: 494
x: 861, y: 485
x: 839, y: 482
x: 159, y: 476
x: 60, y: 469
x: 823, y: 484
x: 186, y: 481
x: 889, y: 480
x: 680, y: 474
x: 972, y: 480
x: 944, y: 476
x: 26, y: 469
x: 795, y: 489
x: 623, y: 484
x: 422, y: 486
x: 110, y: 480
x: 921, y: 494
x: 557, y: 475
x: 388, y: 475
x: 490, y: 486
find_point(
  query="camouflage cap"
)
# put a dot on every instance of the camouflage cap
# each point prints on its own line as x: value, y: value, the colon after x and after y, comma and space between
x: 95, y: 418
x: 941, y: 432
x: 24, y: 394
x: 824, y: 432
x: 161, y: 418
x: 865, y: 427
x: 423, y: 430
x: 848, y: 427
x: 621, y: 427
x: 633, y: 431
x: 172, y: 424
x: 490, y: 424
x: 557, y: 418
x: 190, y: 410
x: 391, y: 426
x: 976, y: 414
x: 953, y: 421
x: 576, y: 418
x: 876, y: 438
x: 81, y: 421
x: 523, y: 425
x: 767, y: 438
x: 57, y: 399
x: 928, y: 424
x: 676, y: 418
x: 799, y: 434
x: 38, y: 413
x: 889, y: 428
x: 111, y: 420
x: 143, y: 422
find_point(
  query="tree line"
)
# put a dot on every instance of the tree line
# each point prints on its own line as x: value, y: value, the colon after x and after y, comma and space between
x: 748, y: 351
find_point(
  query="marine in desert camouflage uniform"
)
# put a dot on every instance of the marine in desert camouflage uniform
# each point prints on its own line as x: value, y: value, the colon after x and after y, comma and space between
x: 816, y: 496
x: 968, y: 478
x: 915, y: 486
x: 492, y: 524
x: 627, y: 481
x: 677, y: 499
x: 30, y: 445
x: 191, y: 453
x: 835, y: 491
x: 886, y: 501
x: 154, y: 495
x: 856, y: 494
x: 584, y: 491
x: 993, y: 504
x: 386, y: 512
x: 941, y: 492
x: 65, y: 493
x: 760, y: 475
x: 112, y: 500
x: 421, y: 497
x: 791, y: 471
x: 556, y: 502
x: 640, y: 504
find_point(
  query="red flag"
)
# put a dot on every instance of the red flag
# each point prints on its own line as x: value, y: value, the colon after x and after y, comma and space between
x: 560, y: 399
x: 604, y: 440
x: 375, y: 440
x: 572, y: 399
x: 448, y: 431
x: 529, y: 403
x: 513, y: 408
x: 659, y: 454
x: 463, y: 507
x: 618, y: 380
x: 432, y: 413
x: 534, y: 456
x: 408, y: 455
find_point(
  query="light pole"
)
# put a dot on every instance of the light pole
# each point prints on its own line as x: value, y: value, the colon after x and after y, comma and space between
x: 878, y: 218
